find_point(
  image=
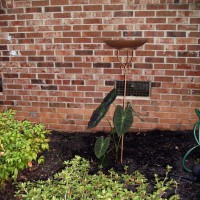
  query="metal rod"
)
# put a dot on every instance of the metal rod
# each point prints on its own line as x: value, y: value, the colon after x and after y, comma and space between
x: 125, y: 67
x: 124, y: 104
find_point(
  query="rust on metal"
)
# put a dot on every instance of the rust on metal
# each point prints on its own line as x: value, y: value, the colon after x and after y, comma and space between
x: 125, y: 44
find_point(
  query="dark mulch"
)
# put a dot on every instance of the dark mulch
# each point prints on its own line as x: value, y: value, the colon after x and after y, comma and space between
x: 148, y: 152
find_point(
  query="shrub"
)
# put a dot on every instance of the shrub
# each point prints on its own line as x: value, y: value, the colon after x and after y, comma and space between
x: 75, y: 182
x: 20, y: 144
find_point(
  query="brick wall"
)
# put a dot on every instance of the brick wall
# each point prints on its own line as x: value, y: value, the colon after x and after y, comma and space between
x: 63, y: 69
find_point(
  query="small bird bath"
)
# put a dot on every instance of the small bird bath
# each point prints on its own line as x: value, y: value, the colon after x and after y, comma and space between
x: 129, y: 46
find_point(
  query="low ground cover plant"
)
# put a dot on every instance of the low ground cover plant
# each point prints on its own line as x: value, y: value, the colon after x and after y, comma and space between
x: 20, y: 144
x: 77, y: 182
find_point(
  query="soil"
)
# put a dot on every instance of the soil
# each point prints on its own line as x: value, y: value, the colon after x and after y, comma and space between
x: 149, y: 152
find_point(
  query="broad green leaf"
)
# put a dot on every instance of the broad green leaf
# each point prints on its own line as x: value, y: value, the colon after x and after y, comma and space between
x: 97, y: 115
x: 101, y: 146
x: 123, y: 119
x: 102, y: 109
x: 110, y: 97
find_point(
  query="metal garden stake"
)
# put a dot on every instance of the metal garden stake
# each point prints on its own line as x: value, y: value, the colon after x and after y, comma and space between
x: 129, y: 46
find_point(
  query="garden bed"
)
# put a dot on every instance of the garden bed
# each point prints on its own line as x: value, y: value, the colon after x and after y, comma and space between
x: 149, y: 152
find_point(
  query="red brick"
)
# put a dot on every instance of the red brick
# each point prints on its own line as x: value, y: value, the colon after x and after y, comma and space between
x: 134, y: 21
x: 34, y: 35
x: 191, y: 98
x: 156, y: 20
x: 84, y: 100
x: 15, y: 10
x: 179, y: 6
x: 85, y: 88
x: 77, y: 82
x: 193, y: 73
x: 188, y: 27
x: 33, y: 10
x: 72, y: 8
x: 77, y: 70
x: 9, y: 29
x: 40, y: 3
x: 156, y: 6
x: 166, y: 27
x: 91, y: 34
x: 165, y: 13
x: 71, y: 33
x: 176, y: 60
x: 61, y: 28
x: 81, y: 27
x: 154, y: 60
x: 59, y: 2
x: 39, y: 104
x: 180, y: 91
x: 15, y: 97
x: 82, y: 40
x: 53, y: 9
x: 174, y: 73
x: 72, y: 59
x: 111, y: 33
x: 83, y: 52
x: 25, y: 29
x: 154, y: 34
x: 144, y: 13
x: 92, y: 7
x: 82, y: 65
x: 61, y: 15
x: 166, y: 53
x: 154, y: 47
x: 113, y: 7
x: 193, y: 47
x: 92, y: 21
x: 191, y: 85
x: 14, y: 87
x: 35, y: 58
x: 46, y: 76
x: 4, y: 23
x: 62, y: 40
x: 7, y: 17
x: 184, y: 66
x: 186, y: 41
x: 63, y: 53
x: 145, y: 53
x: 123, y: 13
x: 193, y: 60
x: 194, y: 34
x: 163, y: 79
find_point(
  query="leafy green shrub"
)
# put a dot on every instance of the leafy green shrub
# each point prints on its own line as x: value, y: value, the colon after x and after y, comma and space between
x: 20, y: 144
x: 75, y: 182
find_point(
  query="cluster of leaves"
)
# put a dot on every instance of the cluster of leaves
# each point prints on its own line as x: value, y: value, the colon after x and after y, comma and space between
x: 20, y: 144
x: 75, y: 182
x: 122, y: 121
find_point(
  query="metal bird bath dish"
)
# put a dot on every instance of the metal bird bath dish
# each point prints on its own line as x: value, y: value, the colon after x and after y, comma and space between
x: 129, y: 46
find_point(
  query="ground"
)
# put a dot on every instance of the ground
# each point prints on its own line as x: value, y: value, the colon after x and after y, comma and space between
x: 148, y: 152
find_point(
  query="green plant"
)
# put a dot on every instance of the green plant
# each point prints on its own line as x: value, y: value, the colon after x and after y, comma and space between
x: 122, y: 121
x: 75, y: 182
x: 20, y: 144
